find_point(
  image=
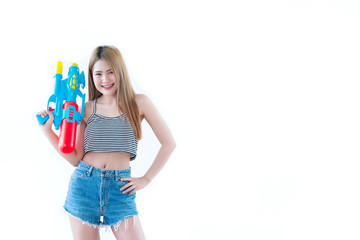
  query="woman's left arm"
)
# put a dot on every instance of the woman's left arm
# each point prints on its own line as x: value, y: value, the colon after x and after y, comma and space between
x: 163, y: 134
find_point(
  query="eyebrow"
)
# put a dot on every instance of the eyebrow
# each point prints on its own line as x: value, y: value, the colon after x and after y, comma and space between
x: 106, y: 70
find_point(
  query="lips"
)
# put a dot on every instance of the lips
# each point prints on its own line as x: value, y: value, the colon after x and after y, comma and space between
x: 107, y: 86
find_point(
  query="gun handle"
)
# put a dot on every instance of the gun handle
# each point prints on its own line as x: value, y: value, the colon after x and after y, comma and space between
x: 41, y: 119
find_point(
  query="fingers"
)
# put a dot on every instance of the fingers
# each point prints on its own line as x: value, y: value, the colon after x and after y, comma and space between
x: 127, y: 187
x: 130, y: 183
x: 48, y: 122
x: 132, y: 192
x: 51, y: 116
x: 134, y: 184
x: 43, y: 113
x: 126, y: 179
x: 130, y: 186
x: 132, y: 189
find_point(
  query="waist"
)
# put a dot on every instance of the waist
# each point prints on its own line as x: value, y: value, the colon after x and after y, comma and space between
x: 108, y: 160
x: 105, y: 172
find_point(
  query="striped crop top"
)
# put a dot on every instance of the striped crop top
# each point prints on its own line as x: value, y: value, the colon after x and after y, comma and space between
x: 109, y: 134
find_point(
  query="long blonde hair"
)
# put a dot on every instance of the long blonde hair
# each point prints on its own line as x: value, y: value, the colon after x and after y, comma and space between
x: 125, y: 96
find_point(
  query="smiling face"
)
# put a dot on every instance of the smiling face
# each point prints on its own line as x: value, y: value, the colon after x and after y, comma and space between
x: 104, y: 78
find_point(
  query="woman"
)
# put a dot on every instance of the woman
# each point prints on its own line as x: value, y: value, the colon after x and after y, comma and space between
x: 101, y: 190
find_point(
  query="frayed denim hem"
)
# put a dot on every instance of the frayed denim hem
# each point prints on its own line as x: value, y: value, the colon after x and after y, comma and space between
x: 106, y: 227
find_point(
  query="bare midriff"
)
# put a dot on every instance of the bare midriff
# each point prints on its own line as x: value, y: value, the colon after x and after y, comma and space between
x: 108, y: 160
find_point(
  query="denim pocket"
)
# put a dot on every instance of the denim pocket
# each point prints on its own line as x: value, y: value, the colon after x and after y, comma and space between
x: 121, y: 183
x: 119, y: 193
x: 78, y: 173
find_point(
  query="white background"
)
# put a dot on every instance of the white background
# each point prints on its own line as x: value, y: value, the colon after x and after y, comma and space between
x: 261, y: 96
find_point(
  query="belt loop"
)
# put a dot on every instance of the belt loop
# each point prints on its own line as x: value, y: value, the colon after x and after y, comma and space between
x: 89, y: 171
x: 116, y: 175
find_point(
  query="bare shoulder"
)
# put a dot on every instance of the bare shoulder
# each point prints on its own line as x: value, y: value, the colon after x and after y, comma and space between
x: 140, y: 98
x: 143, y: 102
x: 147, y: 109
x: 88, y: 110
x: 151, y: 114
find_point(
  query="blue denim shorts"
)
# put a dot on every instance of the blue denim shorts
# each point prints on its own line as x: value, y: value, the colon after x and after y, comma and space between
x: 95, y: 198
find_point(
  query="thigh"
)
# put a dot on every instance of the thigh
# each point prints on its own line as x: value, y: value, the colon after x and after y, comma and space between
x: 82, y: 231
x: 129, y: 231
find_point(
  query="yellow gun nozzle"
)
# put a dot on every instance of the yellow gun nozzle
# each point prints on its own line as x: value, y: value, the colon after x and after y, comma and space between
x: 59, y: 67
x: 74, y: 65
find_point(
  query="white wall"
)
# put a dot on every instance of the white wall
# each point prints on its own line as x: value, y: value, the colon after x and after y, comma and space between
x: 262, y: 98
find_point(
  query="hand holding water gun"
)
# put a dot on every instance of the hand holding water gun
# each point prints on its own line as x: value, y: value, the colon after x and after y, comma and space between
x: 66, y: 112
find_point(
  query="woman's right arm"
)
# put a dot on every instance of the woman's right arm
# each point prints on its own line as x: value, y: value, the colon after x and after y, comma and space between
x: 74, y: 157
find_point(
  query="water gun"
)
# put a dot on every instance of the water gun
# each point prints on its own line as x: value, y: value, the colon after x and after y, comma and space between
x: 66, y: 112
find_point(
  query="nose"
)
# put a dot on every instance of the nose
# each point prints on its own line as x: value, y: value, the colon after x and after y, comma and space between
x: 104, y: 78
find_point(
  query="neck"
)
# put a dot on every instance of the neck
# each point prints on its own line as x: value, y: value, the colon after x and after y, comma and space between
x: 109, y: 100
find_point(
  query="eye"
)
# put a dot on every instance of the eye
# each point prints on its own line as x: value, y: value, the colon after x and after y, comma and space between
x: 111, y: 72
x: 97, y: 74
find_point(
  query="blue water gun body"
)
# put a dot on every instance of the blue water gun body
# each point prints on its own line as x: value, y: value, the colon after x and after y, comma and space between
x: 66, y: 112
